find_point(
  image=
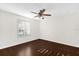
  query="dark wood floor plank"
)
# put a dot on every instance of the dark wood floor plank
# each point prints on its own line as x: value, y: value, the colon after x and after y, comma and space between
x: 40, y: 47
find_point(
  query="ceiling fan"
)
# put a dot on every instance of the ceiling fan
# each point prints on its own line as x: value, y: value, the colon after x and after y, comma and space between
x: 41, y: 14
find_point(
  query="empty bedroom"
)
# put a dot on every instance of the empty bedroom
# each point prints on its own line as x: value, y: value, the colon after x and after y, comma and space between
x: 39, y: 29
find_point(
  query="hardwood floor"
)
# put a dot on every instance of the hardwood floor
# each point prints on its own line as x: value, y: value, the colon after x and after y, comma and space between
x: 40, y: 47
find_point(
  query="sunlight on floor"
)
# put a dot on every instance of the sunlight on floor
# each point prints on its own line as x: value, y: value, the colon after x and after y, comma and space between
x: 25, y: 52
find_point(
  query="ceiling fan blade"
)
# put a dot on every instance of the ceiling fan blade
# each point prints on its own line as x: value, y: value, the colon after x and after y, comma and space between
x: 46, y: 14
x: 34, y: 12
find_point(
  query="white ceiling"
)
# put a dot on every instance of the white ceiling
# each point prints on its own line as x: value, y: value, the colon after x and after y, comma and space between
x: 55, y: 9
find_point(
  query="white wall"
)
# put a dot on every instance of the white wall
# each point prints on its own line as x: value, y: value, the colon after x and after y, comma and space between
x: 63, y: 29
x: 8, y: 29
